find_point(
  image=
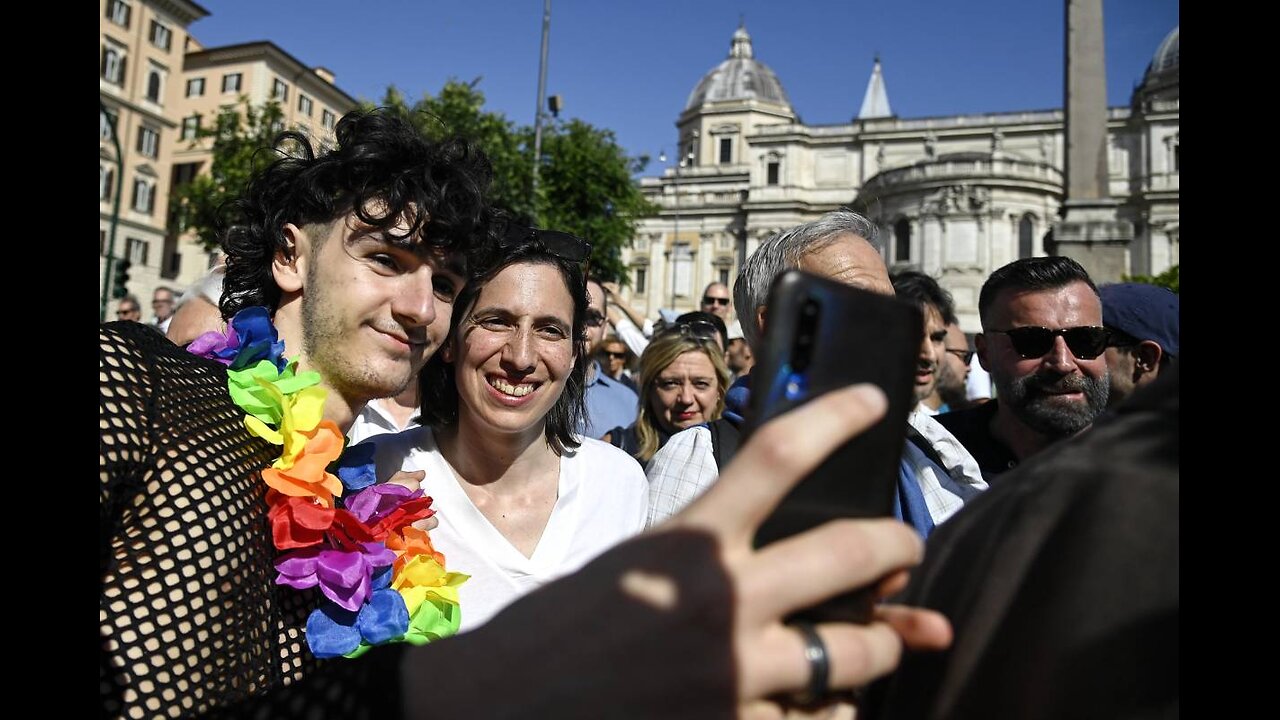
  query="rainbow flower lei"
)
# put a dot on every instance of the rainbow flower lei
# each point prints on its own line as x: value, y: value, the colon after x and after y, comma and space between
x: 382, y: 579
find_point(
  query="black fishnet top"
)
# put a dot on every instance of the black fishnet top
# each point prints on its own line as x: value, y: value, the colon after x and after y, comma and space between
x: 191, y: 622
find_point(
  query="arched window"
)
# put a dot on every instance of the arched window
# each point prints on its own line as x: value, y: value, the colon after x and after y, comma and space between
x: 902, y: 241
x: 153, y: 86
x: 1026, y: 236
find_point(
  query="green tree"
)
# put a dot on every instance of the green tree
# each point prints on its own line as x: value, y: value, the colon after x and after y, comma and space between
x: 1167, y: 279
x: 242, y: 137
x: 586, y: 180
x: 459, y: 110
x: 585, y: 184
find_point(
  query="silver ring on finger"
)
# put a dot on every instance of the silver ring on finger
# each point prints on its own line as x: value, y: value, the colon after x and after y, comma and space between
x: 815, y: 654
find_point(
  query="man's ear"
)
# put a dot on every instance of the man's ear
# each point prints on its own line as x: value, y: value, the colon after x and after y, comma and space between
x: 288, y: 264
x: 761, y: 312
x: 980, y: 347
x: 1146, y: 356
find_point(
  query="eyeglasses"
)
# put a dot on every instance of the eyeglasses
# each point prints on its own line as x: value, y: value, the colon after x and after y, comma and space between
x: 594, y: 319
x: 1086, y: 342
x: 696, y: 329
x: 966, y: 355
x: 1120, y: 339
x: 123, y: 313
x: 561, y: 244
x: 614, y: 355
x: 708, y: 300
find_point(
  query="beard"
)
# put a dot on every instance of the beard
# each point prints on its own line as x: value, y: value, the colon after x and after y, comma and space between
x: 1032, y: 399
x: 330, y: 350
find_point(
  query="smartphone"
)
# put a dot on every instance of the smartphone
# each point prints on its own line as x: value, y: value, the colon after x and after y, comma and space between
x: 821, y: 335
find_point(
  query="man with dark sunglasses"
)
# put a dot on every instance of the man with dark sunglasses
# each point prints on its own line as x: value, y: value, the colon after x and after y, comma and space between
x: 610, y: 403
x: 1042, y: 341
x: 716, y: 300
x: 953, y: 373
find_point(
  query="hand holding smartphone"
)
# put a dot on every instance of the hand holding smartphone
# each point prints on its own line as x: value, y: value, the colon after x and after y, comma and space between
x: 821, y: 335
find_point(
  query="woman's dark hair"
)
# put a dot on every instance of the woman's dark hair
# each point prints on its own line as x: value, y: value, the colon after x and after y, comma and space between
x: 437, y: 385
x: 383, y: 170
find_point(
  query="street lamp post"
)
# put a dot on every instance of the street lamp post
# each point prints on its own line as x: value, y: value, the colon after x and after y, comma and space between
x: 542, y: 93
x: 683, y: 155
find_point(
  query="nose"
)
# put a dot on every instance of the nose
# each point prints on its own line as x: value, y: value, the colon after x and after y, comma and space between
x: 685, y: 396
x: 926, y: 352
x: 518, y: 353
x: 414, y: 303
x: 1059, y: 357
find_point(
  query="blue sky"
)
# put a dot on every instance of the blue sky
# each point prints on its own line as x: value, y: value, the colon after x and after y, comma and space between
x: 630, y: 66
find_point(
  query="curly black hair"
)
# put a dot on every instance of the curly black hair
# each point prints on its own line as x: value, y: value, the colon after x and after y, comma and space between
x: 438, y: 188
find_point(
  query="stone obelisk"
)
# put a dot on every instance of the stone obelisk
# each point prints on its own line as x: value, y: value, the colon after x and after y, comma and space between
x: 1090, y: 230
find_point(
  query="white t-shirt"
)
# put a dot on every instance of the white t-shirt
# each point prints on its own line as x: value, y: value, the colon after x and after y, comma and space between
x: 602, y: 500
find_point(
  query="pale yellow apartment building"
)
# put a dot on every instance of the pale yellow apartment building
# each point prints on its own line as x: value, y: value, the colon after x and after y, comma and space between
x: 162, y: 86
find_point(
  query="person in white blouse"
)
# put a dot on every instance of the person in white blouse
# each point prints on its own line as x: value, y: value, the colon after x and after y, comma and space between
x: 521, y: 498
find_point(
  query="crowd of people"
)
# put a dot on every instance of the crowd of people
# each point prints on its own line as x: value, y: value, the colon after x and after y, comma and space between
x: 400, y: 456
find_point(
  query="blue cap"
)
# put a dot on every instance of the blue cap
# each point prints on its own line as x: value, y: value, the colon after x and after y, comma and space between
x: 1147, y: 312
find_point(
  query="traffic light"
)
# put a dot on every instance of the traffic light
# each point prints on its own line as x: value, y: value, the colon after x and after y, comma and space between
x: 121, y: 280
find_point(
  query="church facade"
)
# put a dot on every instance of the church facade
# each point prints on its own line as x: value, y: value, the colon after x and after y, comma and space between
x: 955, y: 197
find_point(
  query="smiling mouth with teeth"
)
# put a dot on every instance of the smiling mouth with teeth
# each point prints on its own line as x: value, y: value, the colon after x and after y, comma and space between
x: 513, y: 390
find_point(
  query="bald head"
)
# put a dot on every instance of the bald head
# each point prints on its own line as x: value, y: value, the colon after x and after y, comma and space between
x: 716, y: 300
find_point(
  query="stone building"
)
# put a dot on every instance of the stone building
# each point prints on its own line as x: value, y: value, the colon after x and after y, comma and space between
x: 955, y: 196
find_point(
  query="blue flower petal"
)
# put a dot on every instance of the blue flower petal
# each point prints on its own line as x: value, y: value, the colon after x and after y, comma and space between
x: 356, y: 467
x: 382, y: 577
x: 331, y: 631
x: 258, y: 339
x: 383, y: 618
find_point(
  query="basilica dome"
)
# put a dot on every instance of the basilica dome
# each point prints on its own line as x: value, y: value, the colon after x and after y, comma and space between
x: 1160, y: 82
x: 740, y: 77
x: 1166, y: 58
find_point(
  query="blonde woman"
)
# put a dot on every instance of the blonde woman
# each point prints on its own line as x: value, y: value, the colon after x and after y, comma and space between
x: 683, y: 379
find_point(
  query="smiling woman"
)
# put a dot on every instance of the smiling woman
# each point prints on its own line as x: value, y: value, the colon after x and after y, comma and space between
x: 521, y: 497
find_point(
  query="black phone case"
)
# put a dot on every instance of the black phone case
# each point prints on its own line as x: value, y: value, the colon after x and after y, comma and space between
x: 821, y: 335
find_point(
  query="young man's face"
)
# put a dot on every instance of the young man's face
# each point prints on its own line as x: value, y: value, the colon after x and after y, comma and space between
x: 932, y: 348
x: 374, y: 309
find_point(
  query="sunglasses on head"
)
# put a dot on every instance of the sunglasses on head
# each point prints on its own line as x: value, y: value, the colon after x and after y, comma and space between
x: 696, y: 329
x: 563, y: 245
x: 708, y: 300
x: 963, y: 354
x: 1086, y: 342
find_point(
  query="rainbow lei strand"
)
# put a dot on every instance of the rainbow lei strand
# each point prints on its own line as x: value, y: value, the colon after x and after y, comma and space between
x: 381, y: 578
